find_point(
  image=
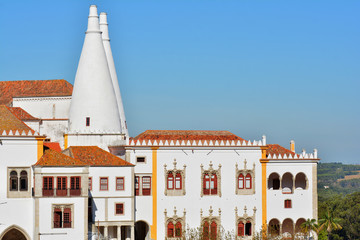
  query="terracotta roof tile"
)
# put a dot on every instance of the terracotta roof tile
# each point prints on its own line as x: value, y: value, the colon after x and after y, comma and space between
x: 52, y: 145
x: 95, y: 156
x: 54, y: 158
x: 33, y: 88
x: 197, y: 135
x: 8, y: 121
x: 277, y: 149
x: 22, y: 114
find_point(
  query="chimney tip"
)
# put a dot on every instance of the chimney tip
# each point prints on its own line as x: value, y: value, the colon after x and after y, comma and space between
x: 93, y: 11
x: 103, y: 18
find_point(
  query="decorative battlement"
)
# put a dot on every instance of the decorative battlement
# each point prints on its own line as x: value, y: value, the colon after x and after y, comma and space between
x: 199, y: 143
x: 303, y: 155
x: 17, y: 133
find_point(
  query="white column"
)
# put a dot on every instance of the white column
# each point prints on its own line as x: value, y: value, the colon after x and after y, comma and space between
x: 132, y: 232
x: 119, y: 232
x: 106, y: 231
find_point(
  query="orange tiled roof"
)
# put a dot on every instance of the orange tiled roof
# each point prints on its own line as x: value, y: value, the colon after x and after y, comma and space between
x: 54, y: 158
x: 8, y: 121
x: 277, y: 149
x: 22, y: 114
x: 52, y: 145
x: 33, y: 88
x: 95, y: 156
x: 197, y: 135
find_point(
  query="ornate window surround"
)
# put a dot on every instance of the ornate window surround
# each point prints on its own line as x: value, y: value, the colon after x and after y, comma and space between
x: 216, y: 172
x: 245, y: 218
x: 19, y: 193
x: 62, y: 207
x: 174, y: 171
x: 174, y: 219
x: 211, y: 218
x: 245, y: 171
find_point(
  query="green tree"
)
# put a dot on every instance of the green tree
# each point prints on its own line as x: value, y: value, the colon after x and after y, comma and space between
x: 308, y: 226
x: 329, y: 222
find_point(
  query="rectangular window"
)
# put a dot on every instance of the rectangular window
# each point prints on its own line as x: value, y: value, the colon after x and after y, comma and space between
x: 140, y: 159
x: 75, y: 186
x: 62, y: 217
x: 61, y: 186
x: 103, y: 184
x: 90, y: 183
x: 120, y: 183
x: 87, y: 121
x: 119, y: 208
x: 137, y: 186
x: 48, y: 186
x: 146, y: 186
x: 287, y: 203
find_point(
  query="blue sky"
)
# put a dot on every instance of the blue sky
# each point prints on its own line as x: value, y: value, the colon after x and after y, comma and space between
x: 286, y: 69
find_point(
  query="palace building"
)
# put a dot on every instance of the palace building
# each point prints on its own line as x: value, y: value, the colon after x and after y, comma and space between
x: 70, y: 170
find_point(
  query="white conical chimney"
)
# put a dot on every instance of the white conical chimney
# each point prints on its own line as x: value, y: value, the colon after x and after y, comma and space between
x: 93, y: 107
x: 110, y: 60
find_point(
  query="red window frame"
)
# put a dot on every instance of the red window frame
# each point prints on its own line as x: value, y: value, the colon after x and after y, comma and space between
x: 249, y: 232
x: 241, y: 181
x: 87, y: 122
x: 61, y: 189
x: 146, y: 186
x: 213, y: 230
x: 137, y: 186
x: 48, y: 186
x: 170, y: 181
x: 206, y: 184
x: 90, y: 183
x: 119, y: 208
x: 75, y: 186
x: 213, y: 184
x: 178, y: 181
x: 241, y: 229
x: 101, y: 184
x: 206, y: 230
x: 170, y: 230
x: 248, y: 179
x: 57, y: 218
x: 120, y: 186
x: 67, y: 218
x: 287, y: 203
x: 178, y: 229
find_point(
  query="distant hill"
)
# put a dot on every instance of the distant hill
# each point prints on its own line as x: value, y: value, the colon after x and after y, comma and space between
x: 338, y: 178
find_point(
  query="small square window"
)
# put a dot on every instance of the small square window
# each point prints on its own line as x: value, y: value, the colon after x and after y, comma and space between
x: 140, y: 159
x: 287, y: 203
x: 119, y: 208
x: 88, y: 121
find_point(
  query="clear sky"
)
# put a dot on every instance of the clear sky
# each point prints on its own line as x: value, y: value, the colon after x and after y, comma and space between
x: 286, y: 69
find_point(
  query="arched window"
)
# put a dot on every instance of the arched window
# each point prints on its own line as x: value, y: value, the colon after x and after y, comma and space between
x: 241, y: 181
x: 248, y: 229
x: 170, y: 181
x: 206, y: 230
x: 248, y: 181
x: 13, y: 181
x: 241, y: 229
x: 213, y: 184
x: 213, y: 230
x: 206, y: 184
x: 178, y: 183
x: 178, y: 229
x: 170, y: 230
x: 23, y: 181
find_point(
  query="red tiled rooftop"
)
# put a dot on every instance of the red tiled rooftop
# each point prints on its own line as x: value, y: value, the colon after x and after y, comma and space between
x: 197, y: 135
x: 33, y: 88
x: 8, y: 121
x: 22, y: 114
x: 54, y: 158
x: 277, y: 149
x: 95, y: 156
x: 52, y: 145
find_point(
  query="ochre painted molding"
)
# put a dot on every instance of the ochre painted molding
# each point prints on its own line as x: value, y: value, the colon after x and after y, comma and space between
x: 40, y: 147
x: 154, y: 193
x: 65, y: 141
x: 263, y: 187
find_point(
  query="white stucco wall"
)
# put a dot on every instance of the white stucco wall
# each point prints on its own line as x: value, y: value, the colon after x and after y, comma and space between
x: 45, y: 107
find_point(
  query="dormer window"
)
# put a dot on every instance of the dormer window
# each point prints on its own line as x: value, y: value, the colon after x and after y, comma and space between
x: 87, y: 121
